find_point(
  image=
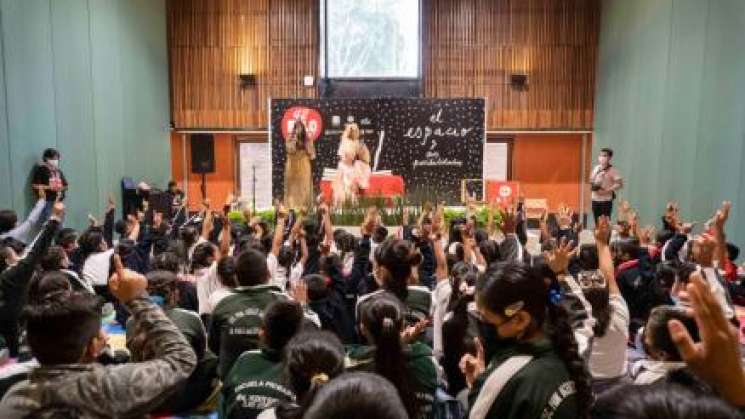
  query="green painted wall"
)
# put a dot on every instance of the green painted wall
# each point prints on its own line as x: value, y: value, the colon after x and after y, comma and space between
x: 671, y: 103
x: 89, y: 77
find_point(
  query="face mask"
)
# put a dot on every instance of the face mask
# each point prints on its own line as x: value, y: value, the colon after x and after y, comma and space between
x: 53, y: 163
x: 491, y: 340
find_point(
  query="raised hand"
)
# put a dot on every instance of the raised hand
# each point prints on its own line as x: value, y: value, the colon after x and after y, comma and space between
x: 92, y: 221
x: 124, y: 284
x: 472, y: 366
x: 370, y: 221
x: 110, y: 205
x: 603, y: 230
x: 716, y: 358
x: 558, y: 258
x: 58, y: 210
x: 411, y: 333
x: 509, y: 221
x: 722, y: 215
x: 565, y: 217
x: 299, y: 292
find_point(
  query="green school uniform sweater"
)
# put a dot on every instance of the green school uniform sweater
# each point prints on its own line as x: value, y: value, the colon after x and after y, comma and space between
x: 422, y: 370
x: 541, y: 390
x: 253, y: 384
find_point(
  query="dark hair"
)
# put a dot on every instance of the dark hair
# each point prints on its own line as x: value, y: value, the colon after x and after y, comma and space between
x: 282, y: 320
x: 317, y: 288
x: 60, y: 327
x: 66, y: 237
x: 8, y: 220
x: 44, y: 285
x: 189, y: 235
x: 330, y: 264
x: 351, y: 394
x: 163, y: 284
x: 607, y: 151
x: 251, y: 269
x: 628, y: 247
x: 588, y: 257
x: 379, y: 234
x: 663, y: 400
x: 659, y: 334
x: 90, y: 242
x: 201, y: 255
x: 399, y: 259
x: 306, y: 356
x: 505, y: 284
x: 461, y: 273
x: 733, y: 252
x: 52, y: 260
x: 490, y: 250
x: 598, y: 297
x: 167, y: 261
x: 383, y: 319
x: 49, y: 154
x: 226, y: 271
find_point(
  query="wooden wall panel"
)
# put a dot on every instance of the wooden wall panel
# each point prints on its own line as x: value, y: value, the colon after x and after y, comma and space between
x: 212, y: 42
x: 472, y: 46
x: 220, y: 184
x: 549, y: 165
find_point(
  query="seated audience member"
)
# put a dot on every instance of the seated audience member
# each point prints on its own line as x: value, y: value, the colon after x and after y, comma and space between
x: 65, y: 335
x: 197, y: 388
x: 67, y: 238
x: 410, y: 367
x: 535, y: 354
x: 10, y: 229
x: 256, y: 382
x: 310, y: 360
x: 394, y: 268
x: 234, y: 326
x: 662, y: 354
x: 326, y: 299
x: 15, y: 273
x: 350, y: 394
x: 608, y: 364
x: 668, y: 401
x: 56, y: 260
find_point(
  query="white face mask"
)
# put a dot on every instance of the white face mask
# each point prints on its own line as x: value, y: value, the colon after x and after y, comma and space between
x: 54, y: 163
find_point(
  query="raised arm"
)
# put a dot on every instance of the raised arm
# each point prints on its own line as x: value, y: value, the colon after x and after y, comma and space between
x: 108, y: 222
x: 720, y: 220
x: 279, y: 230
x: 136, y: 388
x: 605, y: 259
x: 24, y: 229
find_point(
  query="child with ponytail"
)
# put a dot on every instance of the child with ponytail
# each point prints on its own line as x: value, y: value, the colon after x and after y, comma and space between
x: 311, y: 358
x: 410, y: 367
x: 535, y: 370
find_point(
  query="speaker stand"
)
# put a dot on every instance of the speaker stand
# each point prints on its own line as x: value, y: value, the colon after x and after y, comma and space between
x: 203, y: 187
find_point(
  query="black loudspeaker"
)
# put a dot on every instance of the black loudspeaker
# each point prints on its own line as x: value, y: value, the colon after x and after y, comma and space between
x: 202, y: 153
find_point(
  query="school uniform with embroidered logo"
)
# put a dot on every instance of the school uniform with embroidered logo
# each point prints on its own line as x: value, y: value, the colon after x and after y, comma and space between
x: 255, y: 383
x: 540, y: 389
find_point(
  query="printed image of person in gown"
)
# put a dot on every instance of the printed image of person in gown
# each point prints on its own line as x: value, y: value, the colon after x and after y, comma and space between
x: 298, y: 168
x: 353, y: 170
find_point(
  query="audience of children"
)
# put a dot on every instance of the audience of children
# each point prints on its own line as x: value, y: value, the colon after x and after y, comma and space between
x: 308, y: 321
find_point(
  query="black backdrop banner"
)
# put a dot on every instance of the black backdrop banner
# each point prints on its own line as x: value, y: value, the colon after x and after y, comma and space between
x: 432, y: 143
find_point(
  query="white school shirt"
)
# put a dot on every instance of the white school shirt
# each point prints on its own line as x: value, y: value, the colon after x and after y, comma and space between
x: 608, y: 358
x: 96, y: 268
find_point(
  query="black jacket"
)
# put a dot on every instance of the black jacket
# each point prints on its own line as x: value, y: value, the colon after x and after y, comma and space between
x: 14, y: 285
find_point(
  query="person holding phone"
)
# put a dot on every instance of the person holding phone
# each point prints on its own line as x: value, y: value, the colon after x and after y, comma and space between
x: 605, y: 180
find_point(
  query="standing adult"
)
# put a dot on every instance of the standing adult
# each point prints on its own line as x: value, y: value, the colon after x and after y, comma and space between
x: 298, y: 169
x: 48, y: 177
x: 605, y: 180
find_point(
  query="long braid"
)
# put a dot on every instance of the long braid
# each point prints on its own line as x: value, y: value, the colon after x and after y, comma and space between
x: 562, y: 338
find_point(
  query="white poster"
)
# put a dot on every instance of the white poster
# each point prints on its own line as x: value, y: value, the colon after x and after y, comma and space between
x: 255, y: 160
x: 495, y: 161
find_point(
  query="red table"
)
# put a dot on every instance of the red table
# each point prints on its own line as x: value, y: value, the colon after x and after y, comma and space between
x: 388, y: 186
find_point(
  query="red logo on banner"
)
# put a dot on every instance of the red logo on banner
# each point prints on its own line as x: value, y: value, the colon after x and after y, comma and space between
x: 310, y: 117
x: 502, y: 192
